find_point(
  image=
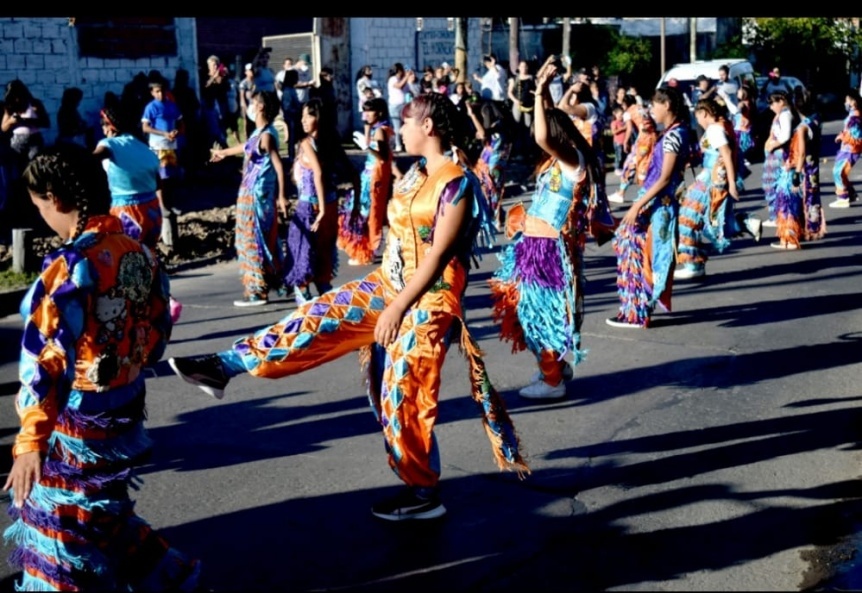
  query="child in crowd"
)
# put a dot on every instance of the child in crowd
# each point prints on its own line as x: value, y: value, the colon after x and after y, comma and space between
x: 162, y: 122
x: 618, y: 130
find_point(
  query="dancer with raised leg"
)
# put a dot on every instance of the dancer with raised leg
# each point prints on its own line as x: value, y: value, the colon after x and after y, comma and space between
x: 401, y: 317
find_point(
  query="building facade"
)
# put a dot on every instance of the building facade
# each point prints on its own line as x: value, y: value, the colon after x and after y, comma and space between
x: 50, y: 54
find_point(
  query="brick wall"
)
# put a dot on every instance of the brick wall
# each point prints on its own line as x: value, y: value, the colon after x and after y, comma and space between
x: 43, y: 53
x: 381, y: 42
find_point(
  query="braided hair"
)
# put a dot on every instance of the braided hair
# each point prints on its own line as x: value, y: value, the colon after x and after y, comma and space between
x: 451, y: 125
x: 75, y: 178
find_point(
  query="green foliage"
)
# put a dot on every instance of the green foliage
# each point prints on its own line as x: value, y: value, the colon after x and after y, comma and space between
x: 734, y: 48
x: 10, y: 280
x: 629, y: 54
x: 817, y: 49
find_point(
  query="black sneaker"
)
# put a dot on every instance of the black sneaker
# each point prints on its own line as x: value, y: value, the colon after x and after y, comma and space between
x: 204, y: 371
x: 410, y: 503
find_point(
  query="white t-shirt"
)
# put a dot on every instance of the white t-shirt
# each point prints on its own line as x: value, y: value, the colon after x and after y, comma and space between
x: 396, y: 95
x: 303, y: 75
x: 715, y: 135
x: 494, y: 83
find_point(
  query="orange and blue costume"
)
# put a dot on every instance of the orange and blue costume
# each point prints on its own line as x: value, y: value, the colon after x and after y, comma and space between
x: 96, y: 316
x: 404, y: 378
x: 360, y: 236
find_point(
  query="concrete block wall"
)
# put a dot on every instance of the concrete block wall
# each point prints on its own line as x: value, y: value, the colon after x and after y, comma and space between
x: 381, y: 42
x: 43, y: 53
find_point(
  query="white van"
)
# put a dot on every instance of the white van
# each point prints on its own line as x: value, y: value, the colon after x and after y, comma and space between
x: 740, y: 71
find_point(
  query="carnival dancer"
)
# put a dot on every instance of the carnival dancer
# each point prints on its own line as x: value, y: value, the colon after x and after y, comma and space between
x: 742, y: 128
x: 645, y: 242
x: 135, y: 185
x: 638, y: 159
x: 495, y: 134
x: 312, y: 235
x: 797, y: 190
x: 775, y: 149
x: 812, y: 206
x: 538, y: 291
x: 261, y: 192
x: 706, y: 218
x: 95, y: 317
x: 360, y: 232
x: 401, y: 317
x: 850, y: 140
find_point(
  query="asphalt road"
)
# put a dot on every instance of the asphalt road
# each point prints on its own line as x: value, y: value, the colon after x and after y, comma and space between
x: 718, y: 450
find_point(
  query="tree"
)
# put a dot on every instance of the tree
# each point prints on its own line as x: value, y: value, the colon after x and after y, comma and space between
x: 514, y: 44
x: 818, y: 50
x: 629, y: 55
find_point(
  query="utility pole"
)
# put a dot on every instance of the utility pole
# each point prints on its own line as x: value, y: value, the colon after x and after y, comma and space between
x: 514, y: 44
x: 693, y: 37
x: 663, y: 67
x: 567, y: 36
x: 461, y: 47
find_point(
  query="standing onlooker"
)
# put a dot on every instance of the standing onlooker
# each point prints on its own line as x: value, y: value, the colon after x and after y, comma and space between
x: 618, y: 132
x: 521, y: 92
x: 850, y: 139
x: 162, y: 122
x: 365, y: 80
x: 24, y: 117
x: 325, y: 91
x: 775, y: 149
x: 395, y: 100
x: 400, y: 317
x: 96, y: 317
x: 775, y: 84
x: 645, y: 241
x: 305, y: 79
x: 189, y: 144
x: 291, y: 111
x: 213, y: 102
x: 727, y: 88
x: 232, y: 106
x: 246, y: 92
x: 264, y: 77
x: 261, y: 194
x: 494, y: 81
x: 279, y: 77
x: 71, y: 127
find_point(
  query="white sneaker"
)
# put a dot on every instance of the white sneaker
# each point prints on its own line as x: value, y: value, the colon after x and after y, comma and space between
x: 568, y: 374
x: 840, y: 203
x: 250, y: 301
x: 354, y: 262
x: 755, y: 227
x: 769, y: 223
x: 614, y: 322
x: 616, y: 197
x: 618, y: 172
x: 541, y: 390
x: 686, y: 272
